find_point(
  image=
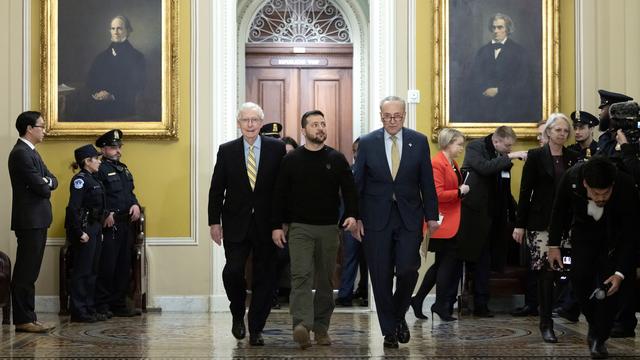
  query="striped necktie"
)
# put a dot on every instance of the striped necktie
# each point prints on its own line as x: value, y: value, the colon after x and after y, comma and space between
x: 395, y: 156
x: 252, y: 169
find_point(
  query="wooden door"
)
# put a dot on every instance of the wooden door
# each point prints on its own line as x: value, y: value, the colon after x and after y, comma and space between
x: 329, y: 90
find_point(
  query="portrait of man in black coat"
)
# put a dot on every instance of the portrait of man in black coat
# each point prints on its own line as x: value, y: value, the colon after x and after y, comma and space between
x: 495, y: 78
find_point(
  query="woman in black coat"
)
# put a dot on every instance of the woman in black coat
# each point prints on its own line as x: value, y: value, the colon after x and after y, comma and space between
x: 540, y: 178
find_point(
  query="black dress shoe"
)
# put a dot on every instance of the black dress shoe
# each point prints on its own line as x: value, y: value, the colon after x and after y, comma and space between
x: 526, y: 310
x: 598, y: 350
x: 548, y: 335
x: 403, y: 332
x: 443, y: 315
x: 483, y: 312
x: 416, y: 305
x: 391, y: 341
x: 256, y: 339
x: 237, y: 329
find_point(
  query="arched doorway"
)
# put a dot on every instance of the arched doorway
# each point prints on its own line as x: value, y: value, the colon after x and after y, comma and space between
x: 298, y: 55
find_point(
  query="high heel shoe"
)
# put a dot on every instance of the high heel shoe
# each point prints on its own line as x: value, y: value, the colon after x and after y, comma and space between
x: 442, y: 315
x: 417, y: 309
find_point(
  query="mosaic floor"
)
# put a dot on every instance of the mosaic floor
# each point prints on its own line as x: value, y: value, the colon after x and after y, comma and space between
x: 355, y: 336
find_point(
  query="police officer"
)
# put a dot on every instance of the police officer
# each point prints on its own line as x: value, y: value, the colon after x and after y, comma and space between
x: 271, y: 129
x: 607, y: 140
x: 122, y: 208
x: 583, y: 124
x: 83, y: 222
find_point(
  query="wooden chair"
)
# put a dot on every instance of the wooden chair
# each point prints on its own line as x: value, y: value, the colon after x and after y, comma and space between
x: 5, y: 287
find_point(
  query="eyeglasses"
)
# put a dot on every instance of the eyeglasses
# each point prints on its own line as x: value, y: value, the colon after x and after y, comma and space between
x: 394, y: 117
x: 251, y: 120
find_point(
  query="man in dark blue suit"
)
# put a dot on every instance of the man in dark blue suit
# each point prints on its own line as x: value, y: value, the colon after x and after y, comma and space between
x: 31, y: 184
x: 395, y: 186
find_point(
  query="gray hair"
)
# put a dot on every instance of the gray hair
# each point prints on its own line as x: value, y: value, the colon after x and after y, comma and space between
x: 393, y: 98
x: 448, y: 136
x: 552, y: 120
x: 508, y: 23
x: 127, y: 23
x: 250, y: 106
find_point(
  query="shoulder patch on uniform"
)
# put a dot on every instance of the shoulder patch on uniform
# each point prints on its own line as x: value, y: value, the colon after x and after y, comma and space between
x: 78, y: 183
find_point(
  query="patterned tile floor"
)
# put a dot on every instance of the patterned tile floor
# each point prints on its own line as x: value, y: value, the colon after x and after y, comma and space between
x: 355, y: 336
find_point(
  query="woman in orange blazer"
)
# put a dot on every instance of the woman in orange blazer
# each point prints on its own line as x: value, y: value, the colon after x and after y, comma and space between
x: 447, y: 268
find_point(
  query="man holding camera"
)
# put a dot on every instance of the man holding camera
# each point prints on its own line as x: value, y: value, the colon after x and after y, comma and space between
x: 598, y: 205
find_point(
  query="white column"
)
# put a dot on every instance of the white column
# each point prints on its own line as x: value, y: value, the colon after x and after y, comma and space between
x: 382, y: 15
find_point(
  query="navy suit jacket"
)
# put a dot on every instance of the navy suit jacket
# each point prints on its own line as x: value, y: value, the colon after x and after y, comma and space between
x: 413, y: 186
x: 31, y: 208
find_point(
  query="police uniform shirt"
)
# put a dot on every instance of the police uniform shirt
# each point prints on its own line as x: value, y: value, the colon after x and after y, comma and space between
x: 118, y: 184
x: 86, y: 204
x: 593, y: 148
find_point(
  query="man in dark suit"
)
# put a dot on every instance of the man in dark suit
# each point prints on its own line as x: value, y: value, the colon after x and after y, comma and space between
x: 598, y: 206
x: 483, y: 236
x: 31, y: 216
x: 500, y: 78
x: 395, y: 186
x: 240, y: 203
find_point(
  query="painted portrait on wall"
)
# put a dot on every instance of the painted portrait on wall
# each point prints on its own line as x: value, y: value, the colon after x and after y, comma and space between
x: 496, y: 64
x: 112, y: 64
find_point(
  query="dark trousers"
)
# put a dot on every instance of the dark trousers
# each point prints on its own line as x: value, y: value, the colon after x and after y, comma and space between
x: 352, y: 259
x: 626, y: 317
x: 481, y: 270
x: 262, y: 280
x: 392, y: 251
x: 115, y: 268
x: 590, y: 268
x: 531, y: 283
x: 445, y: 273
x: 31, y: 244
x: 86, y: 259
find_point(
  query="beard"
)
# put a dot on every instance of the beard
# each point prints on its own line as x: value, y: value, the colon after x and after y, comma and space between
x: 604, y: 124
x: 318, y: 139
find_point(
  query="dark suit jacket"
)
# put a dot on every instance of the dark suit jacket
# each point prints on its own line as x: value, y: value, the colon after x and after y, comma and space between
x: 413, y: 186
x: 485, y: 205
x: 510, y: 72
x: 231, y: 200
x: 618, y: 223
x: 31, y: 208
x: 538, y: 187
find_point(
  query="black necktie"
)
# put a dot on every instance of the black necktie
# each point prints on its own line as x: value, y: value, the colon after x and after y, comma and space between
x: 497, y: 46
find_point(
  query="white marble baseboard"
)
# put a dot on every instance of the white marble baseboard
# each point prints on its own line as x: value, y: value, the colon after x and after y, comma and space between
x: 181, y: 303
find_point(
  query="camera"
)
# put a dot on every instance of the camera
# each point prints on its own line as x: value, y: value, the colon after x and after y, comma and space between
x: 625, y: 116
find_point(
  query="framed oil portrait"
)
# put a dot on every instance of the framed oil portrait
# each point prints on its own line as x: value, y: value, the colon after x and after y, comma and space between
x: 109, y: 64
x: 496, y: 62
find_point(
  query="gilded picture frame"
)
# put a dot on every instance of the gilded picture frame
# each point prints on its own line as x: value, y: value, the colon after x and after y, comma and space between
x: 463, y: 37
x: 73, y: 66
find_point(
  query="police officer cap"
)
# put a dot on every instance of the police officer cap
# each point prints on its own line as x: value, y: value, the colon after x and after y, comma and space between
x: 628, y: 110
x: 85, y: 151
x: 271, y: 129
x: 608, y: 98
x: 585, y: 118
x: 110, y: 138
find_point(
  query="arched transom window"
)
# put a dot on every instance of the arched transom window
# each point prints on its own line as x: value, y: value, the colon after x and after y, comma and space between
x: 299, y: 21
